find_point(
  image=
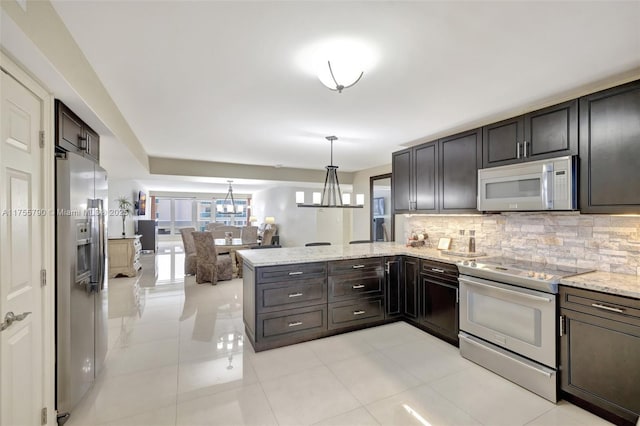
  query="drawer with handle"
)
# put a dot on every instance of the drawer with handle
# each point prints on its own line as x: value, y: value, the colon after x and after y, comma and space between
x: 605, y: 305
x: 293, y: 294
x: 441, y: 271
x: 356, y: 265
x: 292, y: 323
x: 297, y: 271
x: 355, y: 285
x: 358, y: 312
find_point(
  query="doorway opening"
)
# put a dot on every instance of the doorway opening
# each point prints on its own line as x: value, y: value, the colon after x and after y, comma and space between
x: 381, y: 216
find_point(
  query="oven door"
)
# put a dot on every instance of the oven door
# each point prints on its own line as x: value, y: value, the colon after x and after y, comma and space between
x: 518, y: 319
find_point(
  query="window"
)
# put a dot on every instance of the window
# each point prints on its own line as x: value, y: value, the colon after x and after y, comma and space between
x: 173, y: 214
x: 176, y: 213
x: 163, y: 214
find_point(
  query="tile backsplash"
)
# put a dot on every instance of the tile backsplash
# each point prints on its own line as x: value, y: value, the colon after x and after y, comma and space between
x: 601, y: 242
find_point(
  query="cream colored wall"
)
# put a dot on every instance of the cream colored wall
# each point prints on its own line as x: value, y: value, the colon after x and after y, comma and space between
x: 129, y: 189
x: 298, y: 225
x: 360, y: 217
x: 44, y: 27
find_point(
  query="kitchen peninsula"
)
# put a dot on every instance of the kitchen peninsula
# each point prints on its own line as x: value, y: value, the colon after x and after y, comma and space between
x: 292, y: 295
x: 304, y: 293
x: 297, y: 294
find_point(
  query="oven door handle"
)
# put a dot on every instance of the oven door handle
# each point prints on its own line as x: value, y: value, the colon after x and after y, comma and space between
x: 516, y: 293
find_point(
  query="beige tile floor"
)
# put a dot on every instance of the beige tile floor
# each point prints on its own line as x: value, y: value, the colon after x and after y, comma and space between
x: 178, y: 356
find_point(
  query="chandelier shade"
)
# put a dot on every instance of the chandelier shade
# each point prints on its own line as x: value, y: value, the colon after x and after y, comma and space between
x: 229, y: 206
x: 331, y: 196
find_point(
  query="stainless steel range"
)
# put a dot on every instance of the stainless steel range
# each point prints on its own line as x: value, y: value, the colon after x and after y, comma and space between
x: 508, y: 319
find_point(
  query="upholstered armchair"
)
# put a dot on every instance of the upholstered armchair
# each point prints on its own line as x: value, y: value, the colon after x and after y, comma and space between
x: 267, y: 235
x: 220, y: 231
x: 213, y: 225
x: 249, y: 234
x: 210, y: 267
x: 190, y: 258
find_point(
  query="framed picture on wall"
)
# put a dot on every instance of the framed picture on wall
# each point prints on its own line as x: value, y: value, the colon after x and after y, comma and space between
x: 378, y: 206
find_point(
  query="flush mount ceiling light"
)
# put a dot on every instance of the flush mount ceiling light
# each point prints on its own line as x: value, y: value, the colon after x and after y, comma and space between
x: 338, y: 62
x: 229, y: 206
x: 346, y: 75
x: 331, y: 195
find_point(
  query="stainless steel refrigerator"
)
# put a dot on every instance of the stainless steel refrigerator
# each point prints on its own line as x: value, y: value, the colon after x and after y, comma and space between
x: 81, y: 305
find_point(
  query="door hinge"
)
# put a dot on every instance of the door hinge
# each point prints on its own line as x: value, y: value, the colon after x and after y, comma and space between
x: 562, y: 331
x: 43, y: 277
x: 43, y: 416
x: 41, y: 138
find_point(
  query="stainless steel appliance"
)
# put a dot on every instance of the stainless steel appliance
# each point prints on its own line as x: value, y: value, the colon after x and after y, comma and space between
x: 81, y: 308
x: 536, y: 185
x: 508, y: 319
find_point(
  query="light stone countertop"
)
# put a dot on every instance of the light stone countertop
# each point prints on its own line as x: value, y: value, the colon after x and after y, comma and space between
x: 606, y: 282
x: 290, y: 255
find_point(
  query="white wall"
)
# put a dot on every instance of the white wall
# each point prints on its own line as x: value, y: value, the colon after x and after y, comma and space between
x: 300, y: 225
x: 360, y: 227
x: 129, y: 189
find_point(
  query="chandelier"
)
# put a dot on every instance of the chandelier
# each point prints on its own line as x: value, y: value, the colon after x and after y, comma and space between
x: 229, y: 206
x: 331, y: 195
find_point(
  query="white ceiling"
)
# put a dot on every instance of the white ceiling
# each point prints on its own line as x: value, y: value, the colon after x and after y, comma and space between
x: 230, y: 81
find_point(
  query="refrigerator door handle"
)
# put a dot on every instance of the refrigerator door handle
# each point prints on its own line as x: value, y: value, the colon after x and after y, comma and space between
x: 97, y: 245
x: 103, y: 255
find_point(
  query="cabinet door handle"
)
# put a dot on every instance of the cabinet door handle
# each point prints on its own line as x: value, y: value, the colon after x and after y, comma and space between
x: 295, y: 324
x: 358, y: 312
x: 526, y: 150
x: 438, y: 270
x: 517, y: 149
x: 607, y: 308
x: 295, y: 294
x: 82, y: 142
x: 357, y: 266
x: 296, y: 273
x: 357, y: 286
x: 387, y: 268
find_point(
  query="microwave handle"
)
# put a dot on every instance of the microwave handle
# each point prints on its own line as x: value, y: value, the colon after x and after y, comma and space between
x: 547, y: 186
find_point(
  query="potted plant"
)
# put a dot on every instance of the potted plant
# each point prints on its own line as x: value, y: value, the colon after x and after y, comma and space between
x: 124, y: 205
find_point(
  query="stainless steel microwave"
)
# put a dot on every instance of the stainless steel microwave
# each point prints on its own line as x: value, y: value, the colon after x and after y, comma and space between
x: 536, y: 185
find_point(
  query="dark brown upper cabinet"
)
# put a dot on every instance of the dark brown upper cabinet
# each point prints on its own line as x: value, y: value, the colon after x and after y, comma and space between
x: 610, y: 150
x: 545, y: 133
x: 415, y: 179
x: 460, y: 158
x: 441, y: 176
x: 74, y: 135
x: 426, y: 177
x: 402, y: 182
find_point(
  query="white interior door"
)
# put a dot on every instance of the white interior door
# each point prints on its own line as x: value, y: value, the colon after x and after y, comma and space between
x: 21, y: 254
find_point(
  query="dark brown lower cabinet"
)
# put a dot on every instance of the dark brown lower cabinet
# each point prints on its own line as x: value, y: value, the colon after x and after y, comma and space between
x: 440, y: 309
x: 282, y: 328
x: 355, y: 312
x: 394, y: 286
x: 600, y: 353
x: 439, y: 299
x: 411, y: 276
